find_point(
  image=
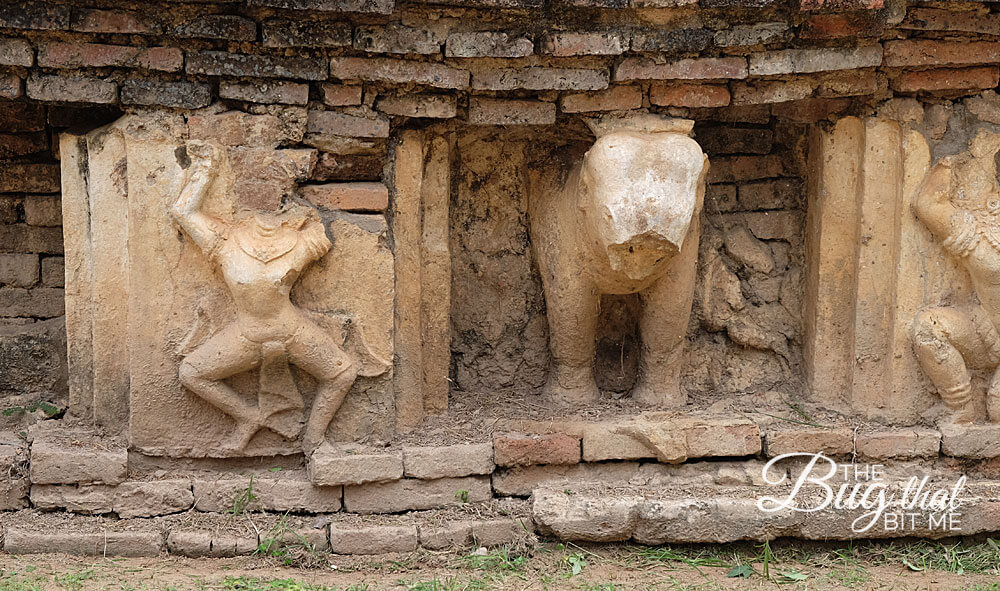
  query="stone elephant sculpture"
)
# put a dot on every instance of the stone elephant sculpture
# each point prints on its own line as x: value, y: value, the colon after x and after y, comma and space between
x: 625, y: 220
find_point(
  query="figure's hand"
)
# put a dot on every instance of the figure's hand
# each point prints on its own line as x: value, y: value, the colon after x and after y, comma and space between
x: 203, y: 154
x: 938, y: 186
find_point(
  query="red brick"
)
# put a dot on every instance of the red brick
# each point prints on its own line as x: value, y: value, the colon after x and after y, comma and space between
x: 771, y: 91
x: 810, y: 110
x: 566, y: 44
x: 340, y: 95
x: 10, y: 87
x: 113, y: 21
x: 16, y: 52
x: 484, y: 111
x: 344, y: 124
x: 841, y: 4
x: 222, y: 63
x: 14, y: 145
x: 96, y: 55
x: 963, y: 21
x: 348, y: 167
x: 515, y: 449
x: 19, y: 177
x: 925, y: 52
x: 367, y: 197
x: 947, y: 79
x: 399, y: 71
x: 686, y: 69
x: 855, y: 83
x: 218, y: 26
x: 72, y: 89
x: 540, y: 78
x: 234, y: 128
x: 617, y: 98
x: 689, y: 95
x: 265, y: 91
x: 837, y: 26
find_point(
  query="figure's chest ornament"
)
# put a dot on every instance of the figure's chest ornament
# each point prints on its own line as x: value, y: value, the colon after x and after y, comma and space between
x: 266, y: 248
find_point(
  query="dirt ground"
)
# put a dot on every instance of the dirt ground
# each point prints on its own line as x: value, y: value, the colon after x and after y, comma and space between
x: 787, y: 565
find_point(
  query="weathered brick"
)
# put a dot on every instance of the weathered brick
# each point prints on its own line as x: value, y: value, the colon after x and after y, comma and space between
x: 34, y: 15
x: 113, y: 21
x: 748, y: 35
x: 833, y: 441
x: 86, y: 115
x: 771, y: 91
x: 221, y: 63
x: 337, y: 123
x: 19, y: 117
x: 201, y: 543
x: 400, y: 71
x: 926, y: 52
x: 330, y: 466
x: 397, y: 39
x: 484, y: 111
x: 218, y: 26
x: 367, y: 197
x: 718, y: 198
x: 108, y: 543
x: 450, y: 461
x: 970, y: 441
x: 738, y: 169
x: 375, y: 6
x: 841, y: 4
x: 411, y: 494
x: 688, y: 95
x: 16, y: 52
x: 71, y: 89
x: 372, y: 539
x: 772, y: 194
x: 848, y: 84
x: 271, y: 494
x: 18, y: 269
x: 43, y: 210
x: 23, y: 144
x: 796, y: 61
x: 348, y: 167
x: 10, y: 86
x: 185, y: 95
x: 418, y: 105
x: 566, y: 44
x: 97, y: 55
x: 516, y: 449
x: 22, y: 177
x: 736, y: 3
x: 87, y: 498
x: 947, y: 79
x: 487, y: 44
x: 963, y: 21
x: 25, y: 238
x: 671, y: 41
x: 266, y: 92
x: 734, y: 140
x: 306, y: 33
x: 616, y: 98
x: 901, y: 443
x: 838, y: 26
x: 66, y: 460
x: 341, y: 95
x: 520, y: 482
x: 662, y: 3
x: 234, y: 128
x: 540, y: 78
x: 53, y: 272
x: 634, y: 68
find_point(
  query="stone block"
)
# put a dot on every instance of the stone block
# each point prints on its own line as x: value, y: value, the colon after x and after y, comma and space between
x: 39, y: 302
x: 449, y: 461
x: 86, y: 498
x: 152, y: 498
x: 899, y: 443
x: 363, y: 197
x: 832, y: 441
x: 69, y: 458
x: 515, y: 449
x: 332, y: 466
x: 272, y: 494
x: 416, y: 495
x: 372, y: 539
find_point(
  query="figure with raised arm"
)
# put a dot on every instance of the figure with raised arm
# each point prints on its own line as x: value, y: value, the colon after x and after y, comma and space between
x: 260, y: 255
x: 951, y: 340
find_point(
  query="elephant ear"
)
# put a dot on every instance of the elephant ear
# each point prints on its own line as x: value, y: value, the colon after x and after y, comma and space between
x: 641, y: 122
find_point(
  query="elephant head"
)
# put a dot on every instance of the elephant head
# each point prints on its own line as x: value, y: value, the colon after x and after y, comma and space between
x: 640, y: 191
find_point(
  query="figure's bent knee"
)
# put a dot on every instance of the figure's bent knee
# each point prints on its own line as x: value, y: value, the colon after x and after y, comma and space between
x: 928, y: 329
x: 189, y: 374
x: 344, y: 370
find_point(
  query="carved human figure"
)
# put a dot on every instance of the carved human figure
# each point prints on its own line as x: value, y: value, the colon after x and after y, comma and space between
x: 951, y: 340
x: 624, y: 221
x: 260, y: 255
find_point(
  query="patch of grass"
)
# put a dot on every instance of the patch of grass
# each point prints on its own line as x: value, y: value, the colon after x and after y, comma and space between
x: 694, y: 557
x: 73, y: 581
x: 255, y: 584
x: 289, y: 546
x: 449, y: 584
x: 14, y: 581
x: 499, y: 561
x: 243, y: 500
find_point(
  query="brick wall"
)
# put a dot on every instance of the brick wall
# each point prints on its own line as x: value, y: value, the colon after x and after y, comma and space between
x: 754, y: 73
